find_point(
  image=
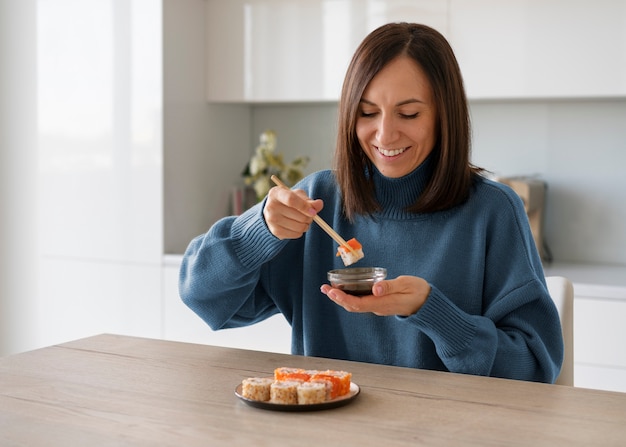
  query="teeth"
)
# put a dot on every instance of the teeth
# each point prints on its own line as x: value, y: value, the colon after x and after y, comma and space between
x: 392, y: 153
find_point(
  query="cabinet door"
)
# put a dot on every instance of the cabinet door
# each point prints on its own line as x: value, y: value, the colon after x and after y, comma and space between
x: 81, y: 298
x: 283, y: 51
x: 599, y: 333
x: 100, y: 131
x: 540, y: 49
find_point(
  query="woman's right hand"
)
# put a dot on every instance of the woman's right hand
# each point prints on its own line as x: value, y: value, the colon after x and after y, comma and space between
x: 289, y: 213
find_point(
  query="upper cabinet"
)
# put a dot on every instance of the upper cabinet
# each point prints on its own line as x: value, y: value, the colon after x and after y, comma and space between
x: 540, y: 49
x: 298, y: 51
x: 288, y: 51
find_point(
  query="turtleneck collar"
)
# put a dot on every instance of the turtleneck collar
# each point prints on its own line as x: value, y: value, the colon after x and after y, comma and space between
x: 396, y: 194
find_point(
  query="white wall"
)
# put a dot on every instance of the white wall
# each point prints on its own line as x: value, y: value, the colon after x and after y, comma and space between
x: 577, y: 146
x: 205, y: 145
x: 308, y: 130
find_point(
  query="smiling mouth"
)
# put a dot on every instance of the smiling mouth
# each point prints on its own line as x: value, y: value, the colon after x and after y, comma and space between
x: 390, y: 152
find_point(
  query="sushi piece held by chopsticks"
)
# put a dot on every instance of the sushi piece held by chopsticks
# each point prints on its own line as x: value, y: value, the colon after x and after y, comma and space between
x: 350, y: 251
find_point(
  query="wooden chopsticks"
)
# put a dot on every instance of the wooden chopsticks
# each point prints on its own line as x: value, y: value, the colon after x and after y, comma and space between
x: 318, y: 220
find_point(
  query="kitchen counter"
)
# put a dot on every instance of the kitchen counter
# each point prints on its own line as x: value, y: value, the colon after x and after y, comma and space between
x: 605, y: 280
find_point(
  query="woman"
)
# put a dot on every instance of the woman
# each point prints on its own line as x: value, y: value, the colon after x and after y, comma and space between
x: 466, y: 291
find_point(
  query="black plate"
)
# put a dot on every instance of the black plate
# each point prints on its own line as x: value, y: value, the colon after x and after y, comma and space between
x: 336, y: 402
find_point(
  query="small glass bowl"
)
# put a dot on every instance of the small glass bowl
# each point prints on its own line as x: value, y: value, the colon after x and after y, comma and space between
x: 356, y: 280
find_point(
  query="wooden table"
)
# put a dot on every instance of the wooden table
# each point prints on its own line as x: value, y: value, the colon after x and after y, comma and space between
x: 118, y: 390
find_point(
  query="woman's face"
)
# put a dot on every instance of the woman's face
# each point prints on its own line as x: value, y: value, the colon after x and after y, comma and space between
x: 396, y: 124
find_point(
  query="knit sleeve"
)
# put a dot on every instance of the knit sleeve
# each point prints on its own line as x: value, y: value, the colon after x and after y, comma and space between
x: 220, y: 271
x: 516, y: 338
x: 465, y: 343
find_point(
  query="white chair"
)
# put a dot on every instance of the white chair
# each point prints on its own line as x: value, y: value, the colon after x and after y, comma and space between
x: 561, y: 290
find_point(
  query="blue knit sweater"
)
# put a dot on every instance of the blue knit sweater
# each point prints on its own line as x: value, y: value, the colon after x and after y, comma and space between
x: 489, y: 312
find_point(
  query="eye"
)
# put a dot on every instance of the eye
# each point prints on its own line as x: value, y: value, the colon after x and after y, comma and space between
x: 409, y: 116
x: 367, y: 114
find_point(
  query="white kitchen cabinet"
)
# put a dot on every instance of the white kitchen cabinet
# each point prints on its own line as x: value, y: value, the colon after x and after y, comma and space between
x: 100, y: 132
x: 80, y: 298
x: 285, y: 51
x: 600, y: 337
x: 100, y: 169
x: 540, y: 49
x: 599, y: 330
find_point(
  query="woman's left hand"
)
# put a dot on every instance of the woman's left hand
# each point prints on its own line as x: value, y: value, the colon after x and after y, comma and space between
x: 403, y: 296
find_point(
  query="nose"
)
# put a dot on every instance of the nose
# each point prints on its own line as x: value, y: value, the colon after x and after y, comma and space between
x: 387, y: 133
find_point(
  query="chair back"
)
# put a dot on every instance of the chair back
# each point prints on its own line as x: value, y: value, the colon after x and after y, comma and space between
x: 561, y: 290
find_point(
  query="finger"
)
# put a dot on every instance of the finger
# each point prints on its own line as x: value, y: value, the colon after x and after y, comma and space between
x: 282, y: 221
x: 401, y: 284
x: 279, y: 211
x: 283, y: 227
x: 349, y: 302
x: 299, y: 201
x: 286, y: 232
x: 360, y: 304
x: 382, y: 288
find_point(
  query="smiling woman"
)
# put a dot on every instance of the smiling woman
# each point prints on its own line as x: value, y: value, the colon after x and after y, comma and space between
x: 465, y: 289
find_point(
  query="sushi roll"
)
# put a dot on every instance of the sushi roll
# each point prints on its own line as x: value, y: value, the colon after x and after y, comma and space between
x: 312, y: 393
x: 351, y: 252
x: 256, y: 388
x: 339, y: 381
x: 284, y: 392
x: 302, y: 386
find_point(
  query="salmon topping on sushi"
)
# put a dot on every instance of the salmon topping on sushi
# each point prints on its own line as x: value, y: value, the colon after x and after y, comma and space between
x: 351, y: 252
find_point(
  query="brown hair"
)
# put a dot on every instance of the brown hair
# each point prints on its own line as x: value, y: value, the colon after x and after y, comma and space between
x: 453, y: 173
